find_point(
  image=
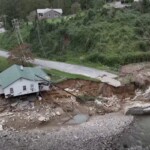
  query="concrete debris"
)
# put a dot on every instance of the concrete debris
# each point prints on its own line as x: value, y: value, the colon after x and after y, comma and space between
x: 59, y: 111
x: 107, y: 104
x: 14, y: 104
x: 39, y: 98
x: 139, y: 73
x: 137, y: 108
x: 69, y: 90
x: 110, y: 81
x: 98, y: 103
x: 1, y: 127
x: 6, y: 114
x: 43, y: 119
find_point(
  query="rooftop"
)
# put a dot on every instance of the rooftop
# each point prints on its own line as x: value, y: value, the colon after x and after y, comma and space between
x: 16, y: 72
x: 48, y: 9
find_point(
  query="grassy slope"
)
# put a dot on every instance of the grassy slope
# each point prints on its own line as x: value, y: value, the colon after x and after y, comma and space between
x: 58, y: 76
x: 97, y: 38
x: 3, y: 64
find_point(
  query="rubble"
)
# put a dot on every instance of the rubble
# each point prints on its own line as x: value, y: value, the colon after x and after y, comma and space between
x: 137, y: 108
x: 59, y: 111
x: 138, y: 73
x: 43, y: 119
x: 1, y: 127
x: 6, y: 114
x: 57, y: 106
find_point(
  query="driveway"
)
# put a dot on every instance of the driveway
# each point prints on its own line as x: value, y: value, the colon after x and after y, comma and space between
x: 104, y: 76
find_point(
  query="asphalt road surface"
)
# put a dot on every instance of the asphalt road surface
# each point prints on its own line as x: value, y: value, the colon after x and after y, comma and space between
x: 104, y: 76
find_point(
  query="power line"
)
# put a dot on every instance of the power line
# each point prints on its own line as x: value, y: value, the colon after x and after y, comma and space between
x: 39, y: 37
x: 16, y: 26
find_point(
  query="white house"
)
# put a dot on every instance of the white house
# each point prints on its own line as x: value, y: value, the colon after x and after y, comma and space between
x: 18, y: 80
x: 48, y: 13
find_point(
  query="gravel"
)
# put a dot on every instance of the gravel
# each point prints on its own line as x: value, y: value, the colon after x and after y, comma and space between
x: 101, y: 132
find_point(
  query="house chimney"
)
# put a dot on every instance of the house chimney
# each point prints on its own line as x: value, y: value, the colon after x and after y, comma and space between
x: 21, y: 68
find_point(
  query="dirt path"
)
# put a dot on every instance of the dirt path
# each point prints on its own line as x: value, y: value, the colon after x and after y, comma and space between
x: 104, y: 76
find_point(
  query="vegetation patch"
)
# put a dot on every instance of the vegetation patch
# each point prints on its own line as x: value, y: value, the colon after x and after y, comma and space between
x: 97, y: 36
x: 3, y: 64
x: 59, y: 76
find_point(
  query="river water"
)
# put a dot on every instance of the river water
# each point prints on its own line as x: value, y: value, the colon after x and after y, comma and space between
x: 138, y: 135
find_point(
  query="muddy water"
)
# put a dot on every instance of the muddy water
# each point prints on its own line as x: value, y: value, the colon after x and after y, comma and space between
x: 138, y: 136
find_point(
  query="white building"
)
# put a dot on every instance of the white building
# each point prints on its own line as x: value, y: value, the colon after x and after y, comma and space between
x: 48, y: 13
x: 19, y: 80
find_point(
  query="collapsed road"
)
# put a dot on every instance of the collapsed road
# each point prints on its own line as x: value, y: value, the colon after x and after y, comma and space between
x: 104, y: 76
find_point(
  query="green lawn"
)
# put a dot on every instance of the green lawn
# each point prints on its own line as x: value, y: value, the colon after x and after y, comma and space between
x: 3, y: 64
x: 58, y: 76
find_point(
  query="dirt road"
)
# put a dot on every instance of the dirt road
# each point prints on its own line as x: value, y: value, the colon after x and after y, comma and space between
x: 75, y: 69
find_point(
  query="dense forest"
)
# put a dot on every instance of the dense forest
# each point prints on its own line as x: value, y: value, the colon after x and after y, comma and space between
x: 97, y: 34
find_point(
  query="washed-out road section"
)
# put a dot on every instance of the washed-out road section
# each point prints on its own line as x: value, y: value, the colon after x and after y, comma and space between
x: 104, y: 76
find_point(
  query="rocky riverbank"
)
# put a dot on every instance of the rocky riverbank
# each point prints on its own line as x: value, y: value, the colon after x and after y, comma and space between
x: 100, y: 132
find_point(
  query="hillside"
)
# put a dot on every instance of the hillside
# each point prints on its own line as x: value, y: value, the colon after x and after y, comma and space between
x: 95, y: 37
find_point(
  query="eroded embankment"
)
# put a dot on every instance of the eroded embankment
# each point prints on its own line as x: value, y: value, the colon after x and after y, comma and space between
x: 98, y: 88
x: 43, y: 124
x: 58, y: 107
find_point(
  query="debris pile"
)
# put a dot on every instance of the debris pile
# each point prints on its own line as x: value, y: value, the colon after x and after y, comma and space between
x: 107, y: 104
x: 136, y: 73
x: 57, y: 107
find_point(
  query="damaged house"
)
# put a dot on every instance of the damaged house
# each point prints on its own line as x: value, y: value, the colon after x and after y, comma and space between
x: 18, y: 80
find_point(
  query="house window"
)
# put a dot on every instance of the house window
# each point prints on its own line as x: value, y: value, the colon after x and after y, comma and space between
x: 11, y: 90
x: 40, y: 15
x: 24, y: 88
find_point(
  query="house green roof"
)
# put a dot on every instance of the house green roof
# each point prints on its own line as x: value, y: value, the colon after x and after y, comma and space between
x: 16, y: 72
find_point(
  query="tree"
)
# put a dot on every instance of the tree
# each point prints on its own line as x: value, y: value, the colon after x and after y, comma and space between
x: 76, y: 7
x: 20, y: 9
x: 21, y: 55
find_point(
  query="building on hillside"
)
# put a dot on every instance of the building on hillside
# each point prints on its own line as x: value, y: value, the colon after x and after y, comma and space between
x: 1, y: 24
x: 2, y: 29
x: 18, y: 80
x: 49, y: 13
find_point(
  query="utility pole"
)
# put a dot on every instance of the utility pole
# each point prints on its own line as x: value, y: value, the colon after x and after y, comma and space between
x: 4, y: 19
x: 16, y: 26
x: 39, y: 37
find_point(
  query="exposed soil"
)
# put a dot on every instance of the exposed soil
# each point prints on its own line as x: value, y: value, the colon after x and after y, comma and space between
x: 97, y: 88
x: 57, y: 107
x: 138, y: 74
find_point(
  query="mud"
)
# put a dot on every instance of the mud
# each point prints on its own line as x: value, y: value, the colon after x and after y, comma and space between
x: 97, y: 88
x: 58, y: 106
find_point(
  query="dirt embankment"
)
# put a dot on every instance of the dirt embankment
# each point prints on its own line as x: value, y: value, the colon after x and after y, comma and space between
x: 57, y: 106
x: 97, y: 88
x: 31, y: 123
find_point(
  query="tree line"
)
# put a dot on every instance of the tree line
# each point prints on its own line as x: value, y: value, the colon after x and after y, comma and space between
x: 20, y: 9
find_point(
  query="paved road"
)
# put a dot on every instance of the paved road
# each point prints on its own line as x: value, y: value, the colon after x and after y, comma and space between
x: 75, y: 69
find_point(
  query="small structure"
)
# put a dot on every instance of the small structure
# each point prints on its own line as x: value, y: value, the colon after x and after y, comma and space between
x: 49, y: 13
x: 18, y: 80
x: 119, y: 4
x: 1, y: 24
x: 2, y: 29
